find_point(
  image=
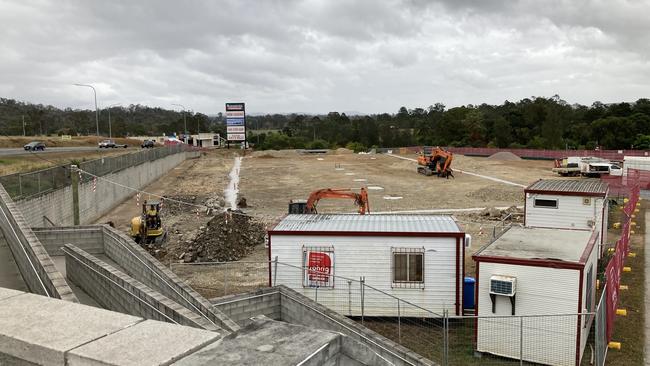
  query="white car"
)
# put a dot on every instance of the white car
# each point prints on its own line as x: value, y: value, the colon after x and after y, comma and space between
x: 110, y: 144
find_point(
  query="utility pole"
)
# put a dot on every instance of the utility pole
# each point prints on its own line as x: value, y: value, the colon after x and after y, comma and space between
x: 96, y: 110
x: 23, y: 125
x: 110, y: 132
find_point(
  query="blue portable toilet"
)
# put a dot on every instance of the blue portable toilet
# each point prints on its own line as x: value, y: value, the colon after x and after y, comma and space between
x: 468, y: 293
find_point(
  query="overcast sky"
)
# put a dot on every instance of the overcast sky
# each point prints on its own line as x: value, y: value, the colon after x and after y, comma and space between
x: 323, y: 55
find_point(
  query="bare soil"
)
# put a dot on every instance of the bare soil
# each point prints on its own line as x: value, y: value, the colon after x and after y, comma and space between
x: 270, y: 179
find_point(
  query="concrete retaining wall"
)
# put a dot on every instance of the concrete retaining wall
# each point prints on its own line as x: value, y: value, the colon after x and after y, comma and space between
x: 35, y: 265
x: 88, y: 238
x: 140, y: 265
x: 116, y: 291
x: 299, y: 309
x: 241, y: 308
x: 361, y: 343
x: 57, y: 205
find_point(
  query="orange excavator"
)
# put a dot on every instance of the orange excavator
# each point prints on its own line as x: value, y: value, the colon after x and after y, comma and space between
x: 309, y: 206
x: 437, y: 162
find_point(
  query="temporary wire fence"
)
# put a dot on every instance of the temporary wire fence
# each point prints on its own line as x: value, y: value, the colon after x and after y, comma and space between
x: 442, y: 337
x: 25, y: 185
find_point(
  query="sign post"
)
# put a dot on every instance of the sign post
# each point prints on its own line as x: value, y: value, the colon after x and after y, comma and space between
x: 236, y: 122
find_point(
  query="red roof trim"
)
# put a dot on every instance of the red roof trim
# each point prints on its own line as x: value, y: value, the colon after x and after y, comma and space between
x: 589, y: 248
x: 367, y: 233
x: 550, y: 263
x: 565, y: 193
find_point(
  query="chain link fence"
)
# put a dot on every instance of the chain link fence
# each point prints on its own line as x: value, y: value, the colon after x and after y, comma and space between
x: 443, y: 338
x: 25, y: 185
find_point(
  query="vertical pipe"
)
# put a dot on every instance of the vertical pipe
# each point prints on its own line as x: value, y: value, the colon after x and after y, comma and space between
x: 20, y: 184
x: 74, y: 177
x: 361, y: 283
x: 399, y: 323
x: 521, y: 340
x: 349, y: 298
x: 275, y: 271
x: 445, y: 340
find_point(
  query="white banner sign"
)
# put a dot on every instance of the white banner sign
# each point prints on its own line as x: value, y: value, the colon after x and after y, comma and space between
x: 235, y: 114
x: 236, y: 129
x: 236, y: 137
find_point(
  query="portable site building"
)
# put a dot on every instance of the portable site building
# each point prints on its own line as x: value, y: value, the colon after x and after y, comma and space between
x: 535, y: 271
x: 568, y: 204
x: 636, y: 162
x: 417, y: 258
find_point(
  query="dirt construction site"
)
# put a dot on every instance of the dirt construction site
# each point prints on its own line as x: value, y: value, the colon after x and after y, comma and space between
x: 484, y: 195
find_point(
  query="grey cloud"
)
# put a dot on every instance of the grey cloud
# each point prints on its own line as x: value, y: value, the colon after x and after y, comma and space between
x: 320, y: 55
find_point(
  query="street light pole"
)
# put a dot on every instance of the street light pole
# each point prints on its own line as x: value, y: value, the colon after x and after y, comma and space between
x: 110, y: 131
x: 96, y: 110
x: 184, y: 119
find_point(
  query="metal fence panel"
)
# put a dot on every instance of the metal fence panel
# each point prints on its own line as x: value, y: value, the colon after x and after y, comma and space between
x: 24, y: 185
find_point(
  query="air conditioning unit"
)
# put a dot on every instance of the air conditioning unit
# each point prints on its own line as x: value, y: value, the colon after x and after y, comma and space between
x: 503, y: 285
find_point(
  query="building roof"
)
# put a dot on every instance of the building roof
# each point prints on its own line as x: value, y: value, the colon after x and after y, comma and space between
x: 578, y: 187
x: 368, y: 223
x: 563, y: 245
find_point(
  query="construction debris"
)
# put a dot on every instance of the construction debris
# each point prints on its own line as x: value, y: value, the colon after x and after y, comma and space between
x: 228, y: 236
x: 512, y: 213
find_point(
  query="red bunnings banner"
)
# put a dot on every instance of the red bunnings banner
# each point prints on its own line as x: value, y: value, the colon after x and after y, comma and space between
x: 615, y: 265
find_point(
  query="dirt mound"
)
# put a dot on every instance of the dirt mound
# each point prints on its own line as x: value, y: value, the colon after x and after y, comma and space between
x: 343, y: 151
x: 226, y: 237
x: 504, y: 155
x: 265, y: 156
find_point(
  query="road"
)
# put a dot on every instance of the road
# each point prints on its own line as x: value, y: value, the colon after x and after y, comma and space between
x: 48, y: 150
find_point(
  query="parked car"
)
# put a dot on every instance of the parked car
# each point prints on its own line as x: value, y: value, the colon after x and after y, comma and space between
x: 146, y: 144
x: 35, y: 146
x: 110, y: 144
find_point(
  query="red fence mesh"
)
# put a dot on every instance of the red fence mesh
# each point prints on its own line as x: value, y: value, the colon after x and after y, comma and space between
x: 541, y: 154
x: 632, y: 183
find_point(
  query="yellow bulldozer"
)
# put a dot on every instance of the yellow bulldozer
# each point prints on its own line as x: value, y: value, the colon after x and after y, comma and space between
x: 147, y: 228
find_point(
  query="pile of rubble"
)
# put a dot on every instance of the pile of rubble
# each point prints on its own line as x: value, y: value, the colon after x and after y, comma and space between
x: 228, y: 236
x: 512, y: 213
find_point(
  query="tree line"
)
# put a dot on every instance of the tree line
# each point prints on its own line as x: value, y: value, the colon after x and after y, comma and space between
x: 537, y: 122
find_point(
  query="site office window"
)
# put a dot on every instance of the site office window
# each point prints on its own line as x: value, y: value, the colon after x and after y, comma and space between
x: 407, y: 267
x: 318, y: 266
x: 545, y: 203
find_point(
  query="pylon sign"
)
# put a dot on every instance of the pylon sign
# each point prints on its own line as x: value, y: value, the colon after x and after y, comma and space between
x: 236, y: 121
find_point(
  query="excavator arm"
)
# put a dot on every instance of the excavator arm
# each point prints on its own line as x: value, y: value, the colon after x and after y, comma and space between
x: 360, y: 199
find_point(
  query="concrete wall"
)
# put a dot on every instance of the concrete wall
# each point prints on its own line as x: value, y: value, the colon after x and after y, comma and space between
x: 140, y: 265
x: 57, y: 205
x: 116, y: 291
x: 35, y: 265
x: 361, y: 343
x: 299, y: 309
x: 62, y: 333
x: 242, y: 307
x: 88, y: 238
